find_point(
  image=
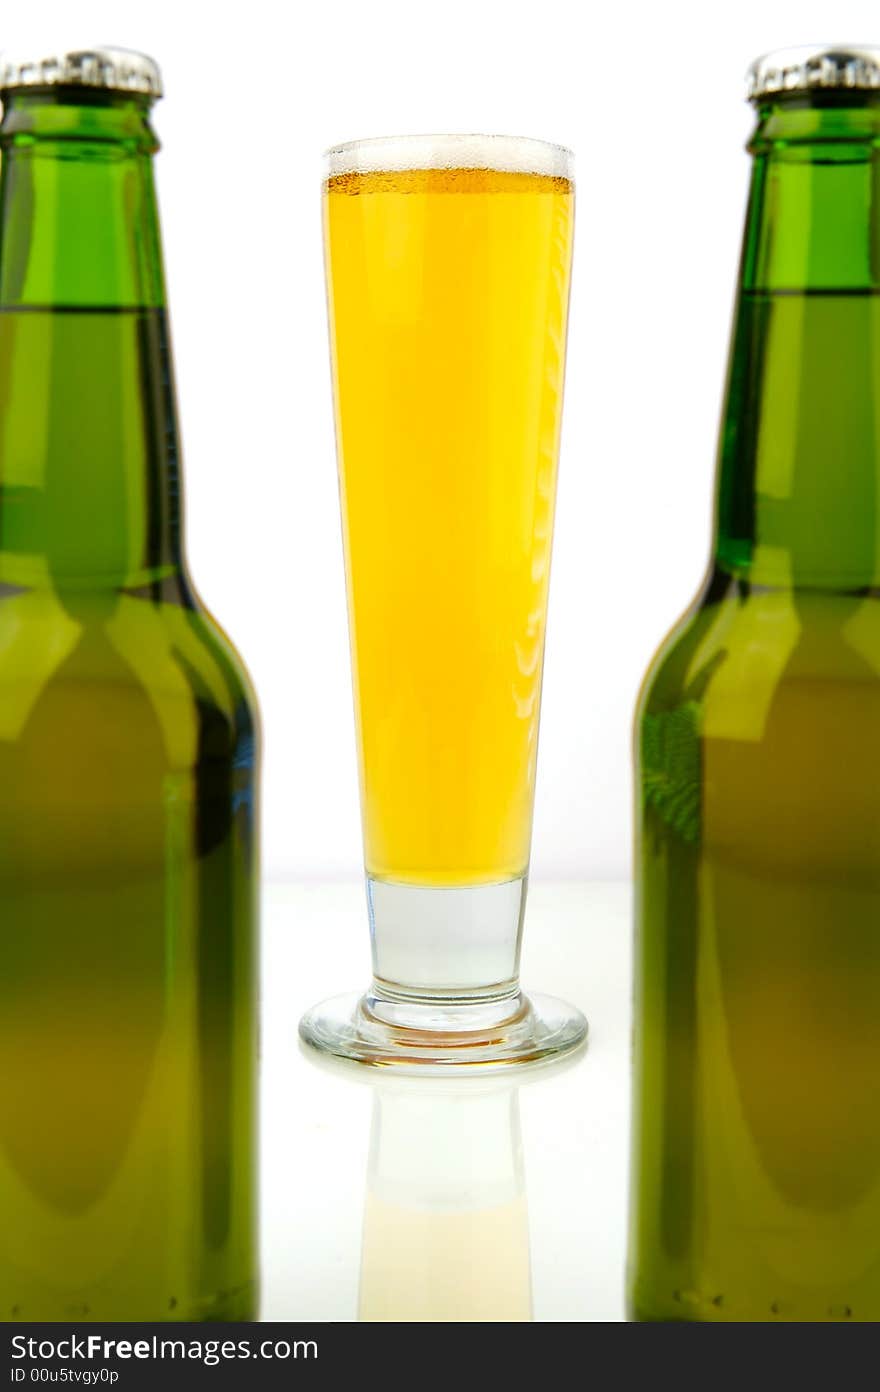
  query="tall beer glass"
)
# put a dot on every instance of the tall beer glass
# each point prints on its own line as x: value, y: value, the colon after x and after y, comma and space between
x: 448, y: 261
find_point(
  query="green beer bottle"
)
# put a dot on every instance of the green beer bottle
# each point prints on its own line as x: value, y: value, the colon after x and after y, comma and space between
x: 756, y: 1175
x: 128, y: 858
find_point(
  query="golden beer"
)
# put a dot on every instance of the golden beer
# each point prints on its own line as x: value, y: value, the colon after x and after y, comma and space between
x: 449, y: 293
x: 448, y: 261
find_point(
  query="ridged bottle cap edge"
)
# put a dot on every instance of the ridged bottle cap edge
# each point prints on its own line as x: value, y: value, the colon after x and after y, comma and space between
x: 841, y: 67
x: 113, y: 69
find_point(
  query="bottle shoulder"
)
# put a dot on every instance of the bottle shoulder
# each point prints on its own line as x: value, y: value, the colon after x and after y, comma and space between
x: 210, y: 643
x: 734, y: 643
x: 666, y: 672
x: 127, y: 654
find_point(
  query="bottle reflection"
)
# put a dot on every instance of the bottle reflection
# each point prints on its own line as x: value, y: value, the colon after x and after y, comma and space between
x: 446, y: 1233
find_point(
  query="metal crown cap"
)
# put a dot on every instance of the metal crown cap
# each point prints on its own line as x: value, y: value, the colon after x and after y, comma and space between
x: 829, y: 67
x: 114, y: 69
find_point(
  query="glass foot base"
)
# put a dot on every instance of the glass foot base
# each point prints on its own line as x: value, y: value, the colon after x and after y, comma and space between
x: 535, y: 1029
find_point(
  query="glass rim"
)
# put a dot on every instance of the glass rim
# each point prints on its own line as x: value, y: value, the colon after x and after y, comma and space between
x: 506, y: 154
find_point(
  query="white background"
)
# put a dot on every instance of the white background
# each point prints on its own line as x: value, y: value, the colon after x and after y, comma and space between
x: 650, y: 98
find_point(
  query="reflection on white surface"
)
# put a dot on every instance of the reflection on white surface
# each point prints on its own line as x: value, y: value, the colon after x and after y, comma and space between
x: 488, y: 1199
x: 446, y: 1231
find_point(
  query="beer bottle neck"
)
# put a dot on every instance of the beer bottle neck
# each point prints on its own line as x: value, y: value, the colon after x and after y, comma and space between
x: 89, y: 494
x: 799, y: 473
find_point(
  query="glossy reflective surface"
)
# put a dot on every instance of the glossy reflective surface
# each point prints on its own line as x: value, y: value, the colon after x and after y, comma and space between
x: 389, y: 1197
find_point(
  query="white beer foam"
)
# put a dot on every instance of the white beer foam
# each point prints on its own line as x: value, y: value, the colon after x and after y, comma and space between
x: 509, y: 154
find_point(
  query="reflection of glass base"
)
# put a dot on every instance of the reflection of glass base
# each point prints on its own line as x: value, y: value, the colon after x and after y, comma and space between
x: 439, y: 1036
